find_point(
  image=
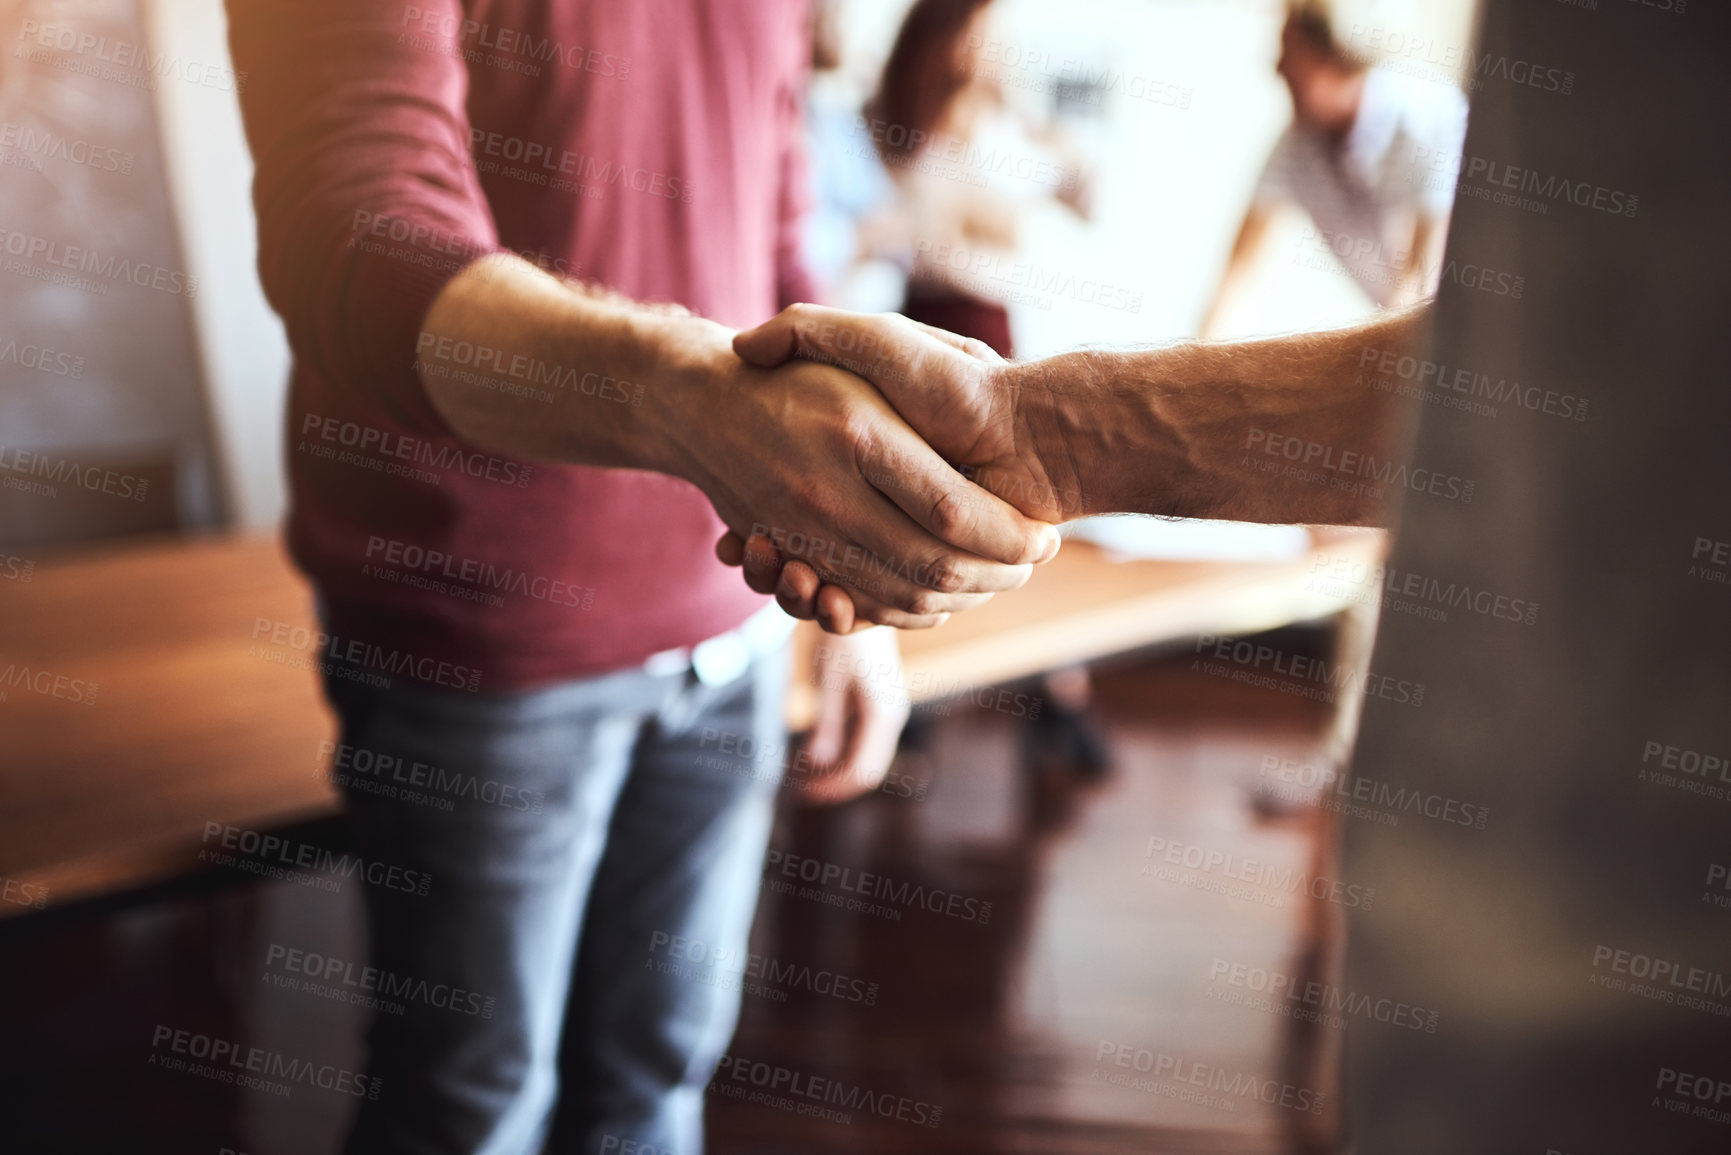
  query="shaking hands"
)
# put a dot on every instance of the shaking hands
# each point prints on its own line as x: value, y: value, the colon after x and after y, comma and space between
x: 956, y: 394
x: 1196, y: 429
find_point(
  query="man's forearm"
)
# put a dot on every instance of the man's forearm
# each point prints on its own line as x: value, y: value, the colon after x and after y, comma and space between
x: 1281, y: 430
x: 521, y: 363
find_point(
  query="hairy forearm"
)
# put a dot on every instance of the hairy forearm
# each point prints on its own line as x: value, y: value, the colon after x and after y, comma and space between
x: 524, y: 364
x: 1282, y: 430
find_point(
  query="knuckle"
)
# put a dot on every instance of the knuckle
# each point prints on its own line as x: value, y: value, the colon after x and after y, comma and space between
x: 953, y: 517
x: 857, y: 427
x: 948, y: 574
x: 923, y: 603
x: 815, y: 500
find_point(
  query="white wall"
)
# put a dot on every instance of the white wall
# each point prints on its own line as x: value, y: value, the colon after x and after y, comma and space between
x: 241, y: 343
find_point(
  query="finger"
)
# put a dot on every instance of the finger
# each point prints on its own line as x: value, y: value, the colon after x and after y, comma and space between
x: 881, y: 347
x: 872, y: 734
x: 762, y: 564
x: 770, y: 343
x: 868, y: 612
x: 796, y: 592
x: 957, y: 512
x: 871, y: 740
x: 803, y: 594
x: 730, y: 549
x: 841, y: 611
x: 828, y: 736
x: 901, y: 568
x: 880, y: 709
x: 835, y: 610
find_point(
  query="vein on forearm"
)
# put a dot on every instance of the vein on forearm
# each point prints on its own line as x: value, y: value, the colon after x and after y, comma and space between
x: 1245, y: 430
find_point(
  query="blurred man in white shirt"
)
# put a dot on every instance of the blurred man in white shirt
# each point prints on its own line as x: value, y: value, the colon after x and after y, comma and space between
x: 1361, y: 159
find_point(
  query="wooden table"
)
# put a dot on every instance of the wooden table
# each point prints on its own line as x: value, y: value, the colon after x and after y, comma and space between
x: 191, y: 722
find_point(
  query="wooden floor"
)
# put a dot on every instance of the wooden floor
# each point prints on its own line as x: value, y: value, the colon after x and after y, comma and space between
x: 995, y: 1025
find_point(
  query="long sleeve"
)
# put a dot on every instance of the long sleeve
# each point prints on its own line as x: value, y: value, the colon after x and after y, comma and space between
x: 367, y: 201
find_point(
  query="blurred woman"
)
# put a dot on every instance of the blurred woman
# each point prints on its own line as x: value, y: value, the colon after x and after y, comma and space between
x: 967, y: 166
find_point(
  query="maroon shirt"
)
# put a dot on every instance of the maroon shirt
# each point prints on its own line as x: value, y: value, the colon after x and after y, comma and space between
x: 650, y: 146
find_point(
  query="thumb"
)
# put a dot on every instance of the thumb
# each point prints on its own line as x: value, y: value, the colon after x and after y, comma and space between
x: 770, y: 343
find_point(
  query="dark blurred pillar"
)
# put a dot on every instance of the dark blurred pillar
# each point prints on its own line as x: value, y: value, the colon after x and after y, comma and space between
x: 1609, y: 524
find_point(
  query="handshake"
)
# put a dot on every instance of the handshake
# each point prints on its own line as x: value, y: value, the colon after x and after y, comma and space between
x: 925, y: 473
x: 875, y: 471
x: 919, y: 473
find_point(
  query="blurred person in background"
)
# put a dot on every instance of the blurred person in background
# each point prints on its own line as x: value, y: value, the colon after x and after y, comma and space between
x: 858, y: 242
x: 1360, y: 158
x: 968, y: 165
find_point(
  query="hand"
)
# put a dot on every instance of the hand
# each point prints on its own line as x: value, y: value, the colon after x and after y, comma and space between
x: 954, y: 392
x: 951, y: 389
x: 862, y: 706
x: 814, y: 459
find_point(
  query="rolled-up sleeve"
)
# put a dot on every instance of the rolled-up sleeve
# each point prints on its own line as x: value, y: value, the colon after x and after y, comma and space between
x: 367, y: 201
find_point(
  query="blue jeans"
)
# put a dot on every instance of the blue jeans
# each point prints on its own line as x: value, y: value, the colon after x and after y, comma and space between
x: 563, y: 830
